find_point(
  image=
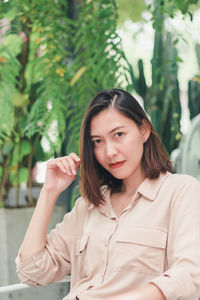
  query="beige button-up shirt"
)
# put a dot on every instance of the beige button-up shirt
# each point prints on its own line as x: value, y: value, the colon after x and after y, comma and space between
x: 156, y: 239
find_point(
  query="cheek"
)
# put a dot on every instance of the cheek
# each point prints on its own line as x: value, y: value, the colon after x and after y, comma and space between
x: 99, y: 156
x: 134, y: 148
x: 133, y: 143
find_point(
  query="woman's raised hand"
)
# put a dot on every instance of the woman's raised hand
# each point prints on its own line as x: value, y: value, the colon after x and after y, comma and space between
x: 61, y: 172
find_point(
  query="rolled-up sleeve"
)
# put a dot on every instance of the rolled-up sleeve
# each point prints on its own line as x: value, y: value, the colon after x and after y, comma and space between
x: 53, y: 262
x: 181, y: 281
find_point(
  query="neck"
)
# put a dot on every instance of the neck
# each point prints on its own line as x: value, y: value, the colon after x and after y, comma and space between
x: 130, y: 185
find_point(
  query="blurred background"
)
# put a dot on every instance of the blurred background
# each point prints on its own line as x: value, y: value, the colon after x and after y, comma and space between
x: 55, y: 56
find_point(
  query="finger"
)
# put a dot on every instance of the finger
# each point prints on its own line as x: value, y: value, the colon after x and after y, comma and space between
x: 77, y: 160
x: 66, y: 163
x: 61, y: 166
x: 74, y: 161
x: 52, y: 163
x: 75, y: 157
x: 70, y: 164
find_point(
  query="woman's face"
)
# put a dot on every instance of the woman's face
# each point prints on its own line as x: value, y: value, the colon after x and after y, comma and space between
x: 118, y: 143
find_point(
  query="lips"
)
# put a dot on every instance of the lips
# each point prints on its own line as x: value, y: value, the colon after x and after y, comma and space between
x: 117, y: 164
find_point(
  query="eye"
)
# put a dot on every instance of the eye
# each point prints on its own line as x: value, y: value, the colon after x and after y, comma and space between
x: 118, y: 134
x: 96, y: 142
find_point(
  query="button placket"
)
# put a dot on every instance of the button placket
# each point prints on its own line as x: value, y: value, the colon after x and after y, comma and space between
x: 106, y: 245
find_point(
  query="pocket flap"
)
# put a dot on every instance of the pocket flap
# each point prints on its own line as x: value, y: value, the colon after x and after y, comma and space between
x: 81, y: 244
x: 143, y: 236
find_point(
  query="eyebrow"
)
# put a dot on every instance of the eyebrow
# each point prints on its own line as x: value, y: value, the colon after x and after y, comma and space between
x: 114, y: 129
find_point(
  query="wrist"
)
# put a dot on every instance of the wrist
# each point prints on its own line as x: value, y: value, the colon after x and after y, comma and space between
x: 49, y: 193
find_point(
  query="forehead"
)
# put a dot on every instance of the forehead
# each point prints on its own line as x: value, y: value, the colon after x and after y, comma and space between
x: 107, y: 120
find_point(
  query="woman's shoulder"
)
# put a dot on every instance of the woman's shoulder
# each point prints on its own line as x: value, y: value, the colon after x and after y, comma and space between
x: 180, y: 179
x: 79, y: 213
x: 181, y: 183
x: 82, y: 204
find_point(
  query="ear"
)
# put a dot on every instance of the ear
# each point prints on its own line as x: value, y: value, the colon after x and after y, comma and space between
x: 145, y: 130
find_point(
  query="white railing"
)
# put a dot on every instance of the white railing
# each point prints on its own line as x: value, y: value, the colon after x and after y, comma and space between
x: 20, y: 286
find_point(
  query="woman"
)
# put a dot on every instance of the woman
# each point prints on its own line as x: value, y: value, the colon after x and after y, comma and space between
x: 135, y: 232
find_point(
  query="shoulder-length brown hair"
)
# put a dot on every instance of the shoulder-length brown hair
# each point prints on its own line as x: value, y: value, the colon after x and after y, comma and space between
x: 154, y: 160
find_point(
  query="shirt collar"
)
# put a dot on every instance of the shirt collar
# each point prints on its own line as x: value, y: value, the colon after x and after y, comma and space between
x: 106, y: 207
x: 149, y: 187
x: 105, y: 192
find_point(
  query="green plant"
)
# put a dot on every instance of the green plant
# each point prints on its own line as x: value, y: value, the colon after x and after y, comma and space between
x: 161, y: 99
x: 171, y: 7
x: 98, y: 60
x: 194, y: 89
x: 98, y: 63
x: 33, y: 85
x: 51, y: 64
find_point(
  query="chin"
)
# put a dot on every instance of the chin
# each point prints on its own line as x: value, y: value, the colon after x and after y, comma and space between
x: 119, y: 176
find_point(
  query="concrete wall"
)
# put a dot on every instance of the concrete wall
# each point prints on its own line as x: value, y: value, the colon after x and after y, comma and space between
x: 13, y: 225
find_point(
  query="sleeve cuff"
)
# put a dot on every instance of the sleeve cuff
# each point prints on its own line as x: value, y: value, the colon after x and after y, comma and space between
x: 29, y: 266
x: 176, y: 284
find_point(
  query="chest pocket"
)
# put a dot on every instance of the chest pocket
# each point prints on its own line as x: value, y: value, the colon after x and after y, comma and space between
x: 140, y: 249
x: 81, y: 248
x: 82, y: 255
x: 81, y: 244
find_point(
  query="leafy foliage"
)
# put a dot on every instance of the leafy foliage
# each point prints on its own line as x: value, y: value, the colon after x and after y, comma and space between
x: 161, y: 99
x: 50, y: 67
x: 98, y: 63
x: 170, y: 8
x: 194, y: 89
x: 32, y: 77
x: 98, y: 60
x: 130, y: 10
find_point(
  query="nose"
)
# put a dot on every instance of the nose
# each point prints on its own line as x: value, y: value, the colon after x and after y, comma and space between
x: 111, y: 149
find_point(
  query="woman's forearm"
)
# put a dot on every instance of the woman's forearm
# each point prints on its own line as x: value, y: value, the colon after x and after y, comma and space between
x: 35, y: 238
x: 150, y: 292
